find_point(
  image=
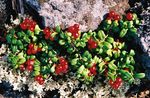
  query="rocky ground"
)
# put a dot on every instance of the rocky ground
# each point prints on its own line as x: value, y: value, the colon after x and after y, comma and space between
x: 142, y: 42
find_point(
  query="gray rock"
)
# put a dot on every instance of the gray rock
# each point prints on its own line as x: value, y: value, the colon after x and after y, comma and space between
x: 88, y: 13
x: 144, y: 34
x: 2, y: 11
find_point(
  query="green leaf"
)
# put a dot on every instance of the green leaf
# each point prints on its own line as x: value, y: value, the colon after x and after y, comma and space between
x: 115, y: 23
x: 130, y: 24
x: 26, y: 39
x: 29, y: 33
x: 123, y: 32
x: 133, y: 30
x: 112, y: 75
x: 37, y: 68
x: 62, y: 35
x: 124, y: 53
x: 126, y: 75
x: 87, y: 54
x: 34, y: 38
x: 52, y: 70
x: 139, y: 75
x: 116, y: 53
x: 14, y: 41
x: 110, y: 39
x: 85, y: 72
x: 58, y: 29
x: 134, y: 16
x: 112, y: 66
x: 80, y: 70
x: 136, y: 21
x: 74, y: 61
x: 54, y: 59
x: 36, y: 62
x: 35, y: 73
x: 101, y: 66
x: 106, y: 59
x: 37, y: 30
x: 61, y: 42
x: 14, y: 49
x: 109, y: 52
x: 8, y: 38
x: 108, y: 21
x: 21, y: 61
x: 70, y: 50
x: 101, y: 34
x: 107, y: 44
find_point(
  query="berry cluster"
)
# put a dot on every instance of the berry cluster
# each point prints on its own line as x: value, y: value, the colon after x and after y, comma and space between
x: 33, y: 49
x: 115, y: 84
x: 48, y: 34
x: 62, y: 67
x: 74, y: 30
x: 112, y: 15
x: 28, y: 65
x: 28, y: 24
x: 52, y: 52
x: 92, y: 44
x: 39, y: 79
x: 129, y: 16
x: 92, y: 70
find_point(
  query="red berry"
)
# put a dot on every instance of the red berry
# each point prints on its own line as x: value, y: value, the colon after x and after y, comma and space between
x: 29, y: 51
x: 58, y: 69
x: 111, y: 82
x: 71, y: 29
x: 34, y: 51
x: 39, y: 49
x: 118, y: 80
x: 90, y: 40
x: 38, y: 77
x: 31, y: 45
x: 22, y: 67
x: 27, y: 20
x: 117, y: 17
x: 51, y: 38
x: 76, y: 35
x: 47, y: 35
x: 112, y: 13
x: 90, y: 74
x: 129, y: 16
x: 46, y: 30
x: 93, y: 45
x: 93, y: 69
x: 23, y: 26
x: 31, y: 28
x: 29, y: 67
x: 41, y: 82
x: 76, y: 26
x: 109, y: 18
x: 32, y: 23
x: 115, y: 86
x: 89, y: 47
x: 30, y: 62
x: 62, y: 60
x: 64, y: 68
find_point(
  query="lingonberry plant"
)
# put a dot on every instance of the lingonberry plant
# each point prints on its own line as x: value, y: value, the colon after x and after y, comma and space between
x: 53, y: 51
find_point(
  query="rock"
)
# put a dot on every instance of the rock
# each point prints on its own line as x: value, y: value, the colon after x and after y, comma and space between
x: 88, y: 13
x: 119, y: 6
x: 2, y: 11
x: 143, y: 40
